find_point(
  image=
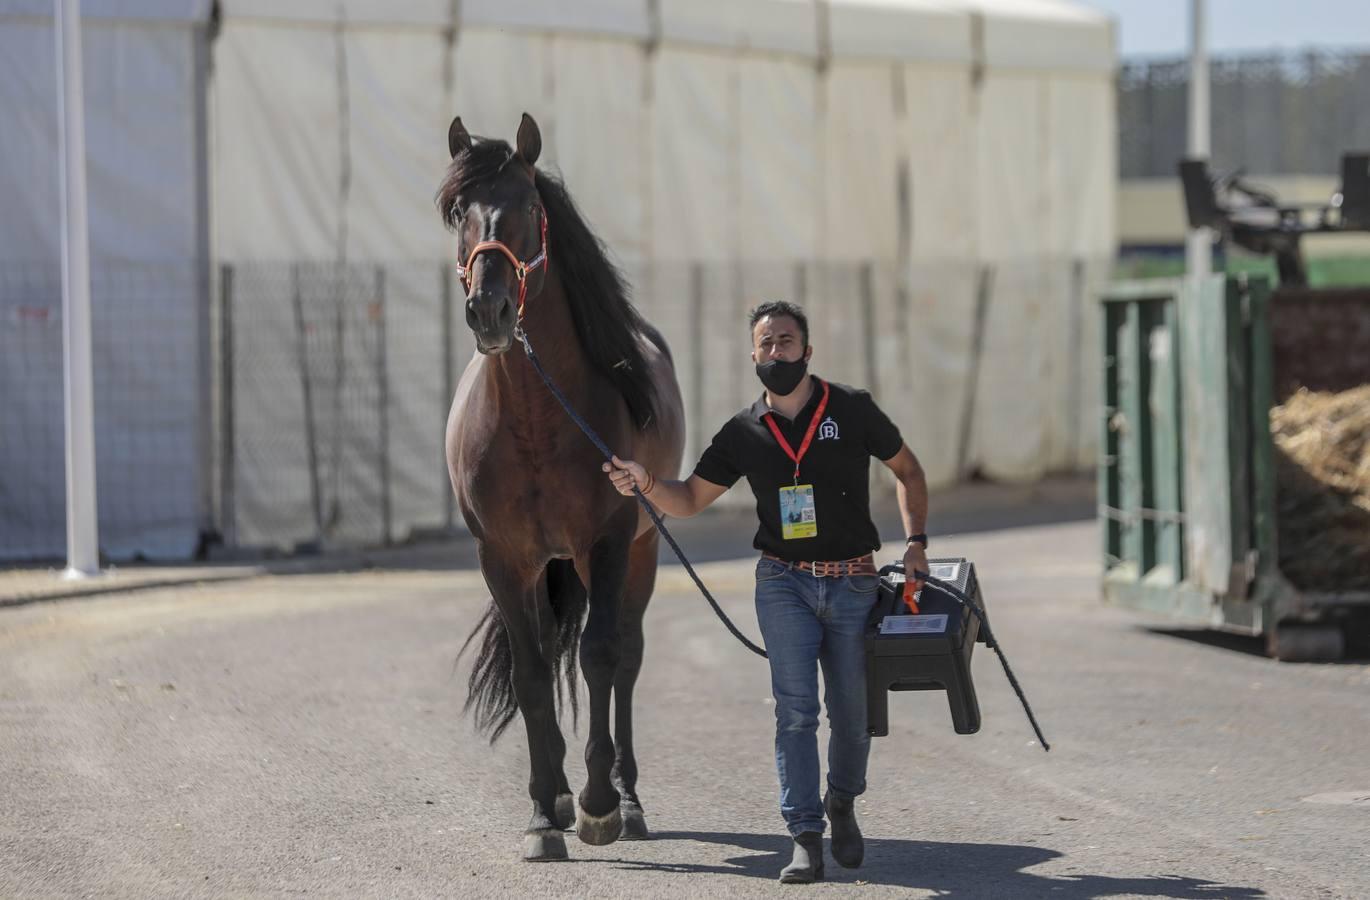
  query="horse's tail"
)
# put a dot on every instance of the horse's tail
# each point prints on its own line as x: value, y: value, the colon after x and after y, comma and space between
x: 490, y: 690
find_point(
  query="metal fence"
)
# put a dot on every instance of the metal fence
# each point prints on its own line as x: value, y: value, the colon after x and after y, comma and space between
x: 1273, y: 114
x: 148, y: 343
x: 305, y: 404
x: 332, y: 383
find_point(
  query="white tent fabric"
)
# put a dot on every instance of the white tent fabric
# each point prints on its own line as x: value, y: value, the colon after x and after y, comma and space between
x: 99, y: 12
x: 887, y: 162
x: 276, y: 142
x: 933, y: 179
x: 924, y: 30
x: 143, y: 85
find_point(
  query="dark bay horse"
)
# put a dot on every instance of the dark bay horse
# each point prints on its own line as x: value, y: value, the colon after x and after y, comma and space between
x: 556, y: 543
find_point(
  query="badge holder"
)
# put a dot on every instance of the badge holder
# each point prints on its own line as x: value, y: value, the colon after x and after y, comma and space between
x: 924, y: 645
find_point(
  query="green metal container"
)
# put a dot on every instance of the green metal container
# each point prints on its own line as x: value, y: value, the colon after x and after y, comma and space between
x: 1187, y: 478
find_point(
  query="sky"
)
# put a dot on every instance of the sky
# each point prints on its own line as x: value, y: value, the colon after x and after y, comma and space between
x: 1161, y: 27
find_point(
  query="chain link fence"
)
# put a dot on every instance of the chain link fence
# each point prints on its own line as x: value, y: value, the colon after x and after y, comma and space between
x: 333, y: 382
x: 1273, y: 114
x: 151, y: 387
x: 332, y: 385
x: 305, y: 405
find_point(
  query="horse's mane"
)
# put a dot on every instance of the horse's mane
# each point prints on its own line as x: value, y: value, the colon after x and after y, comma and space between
x: 606, y: 322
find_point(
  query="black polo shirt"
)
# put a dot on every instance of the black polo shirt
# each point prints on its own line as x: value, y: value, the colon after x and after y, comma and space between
x: 853, y: 430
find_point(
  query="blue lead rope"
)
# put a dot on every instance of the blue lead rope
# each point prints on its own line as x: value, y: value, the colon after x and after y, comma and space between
x: 990, y: 641
x: 637, y: 492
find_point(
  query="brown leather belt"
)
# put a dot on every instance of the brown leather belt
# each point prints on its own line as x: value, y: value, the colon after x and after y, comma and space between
x: 838, y: 568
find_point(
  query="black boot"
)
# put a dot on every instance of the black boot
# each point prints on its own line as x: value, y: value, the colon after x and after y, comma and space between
x: 807, y: 865
x: 848, y: 848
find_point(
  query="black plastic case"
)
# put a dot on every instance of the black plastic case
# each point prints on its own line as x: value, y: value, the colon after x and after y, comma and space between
x: 933, y: 653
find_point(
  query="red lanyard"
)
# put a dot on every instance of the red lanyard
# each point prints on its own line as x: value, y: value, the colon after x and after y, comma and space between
x: 808, y: 435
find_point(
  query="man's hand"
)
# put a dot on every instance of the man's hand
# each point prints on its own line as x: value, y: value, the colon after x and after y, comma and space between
x: 915, y: 560
x: 625, y: 474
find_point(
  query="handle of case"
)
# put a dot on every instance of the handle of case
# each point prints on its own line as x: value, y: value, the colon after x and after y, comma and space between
x: 910, y: 599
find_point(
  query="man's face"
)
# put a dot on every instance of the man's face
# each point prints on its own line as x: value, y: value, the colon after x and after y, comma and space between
x: 778, y: 337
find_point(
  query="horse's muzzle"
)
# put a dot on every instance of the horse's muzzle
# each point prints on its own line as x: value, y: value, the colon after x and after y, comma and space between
x: 492, y: 321
x: 494, y: 346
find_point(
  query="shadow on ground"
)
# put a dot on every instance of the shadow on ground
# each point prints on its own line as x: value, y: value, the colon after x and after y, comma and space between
x: 946, y: 869
x: 1251, y: 645
x: 1357, y: 647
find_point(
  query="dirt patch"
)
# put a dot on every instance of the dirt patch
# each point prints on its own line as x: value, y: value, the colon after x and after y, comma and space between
x: 1322, y: 459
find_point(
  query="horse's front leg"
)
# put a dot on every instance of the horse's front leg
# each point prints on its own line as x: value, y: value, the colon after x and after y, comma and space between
x: 533, y: 690
x: 599, y: 820
x: 559, y: 589
x: 636, y: 593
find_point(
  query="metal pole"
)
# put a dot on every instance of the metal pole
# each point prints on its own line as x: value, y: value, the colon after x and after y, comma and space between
x: 83, y: 548
x: 383, y: 407
x: 311, y: 434
x: 984, y: 292
x: 869, y: 345
x: 204, y: 433
x: 695, y: 417
x: 1075, y: 376
x: 228, y: 491
x: 449, y: 508
x: 1198, y: 249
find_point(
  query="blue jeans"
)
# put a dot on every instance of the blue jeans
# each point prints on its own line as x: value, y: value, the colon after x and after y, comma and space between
x: 808, y: 621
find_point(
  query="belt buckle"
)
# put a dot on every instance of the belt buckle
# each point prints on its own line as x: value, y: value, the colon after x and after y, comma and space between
x: 824, y: 568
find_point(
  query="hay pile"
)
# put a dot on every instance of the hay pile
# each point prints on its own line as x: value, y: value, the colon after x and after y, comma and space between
x: 1322, y: 457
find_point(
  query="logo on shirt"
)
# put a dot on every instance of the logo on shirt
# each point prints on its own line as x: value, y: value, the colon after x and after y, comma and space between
x: 827, y: 430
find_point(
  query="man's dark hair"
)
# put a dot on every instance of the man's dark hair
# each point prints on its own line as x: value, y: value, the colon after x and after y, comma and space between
x: 780, y: 308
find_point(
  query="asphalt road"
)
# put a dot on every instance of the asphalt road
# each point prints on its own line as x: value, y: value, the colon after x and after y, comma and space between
x: 302, y: 735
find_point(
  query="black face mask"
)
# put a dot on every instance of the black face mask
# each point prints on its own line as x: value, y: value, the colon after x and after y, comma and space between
x: 781, y: 377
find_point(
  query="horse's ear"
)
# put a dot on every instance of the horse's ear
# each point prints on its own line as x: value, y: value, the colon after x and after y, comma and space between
x: 457, y: 138
x: 529, y: 140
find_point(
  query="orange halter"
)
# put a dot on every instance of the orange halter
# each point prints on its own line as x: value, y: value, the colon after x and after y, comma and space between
x: 521, y: 268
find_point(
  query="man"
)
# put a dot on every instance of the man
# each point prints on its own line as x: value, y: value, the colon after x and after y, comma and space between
x: 805, y: 449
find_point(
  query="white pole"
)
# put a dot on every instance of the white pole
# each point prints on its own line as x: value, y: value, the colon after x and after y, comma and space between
x: 83, y: 557
x: 1198, y: 249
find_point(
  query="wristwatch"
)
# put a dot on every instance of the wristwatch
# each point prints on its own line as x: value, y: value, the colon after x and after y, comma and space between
x: 920, y: 538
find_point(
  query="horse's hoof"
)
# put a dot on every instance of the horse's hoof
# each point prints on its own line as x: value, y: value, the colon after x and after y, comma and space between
x: 565, y: 812
x: 544, y: 845
x: 599, y: 830
x: 634, y: 823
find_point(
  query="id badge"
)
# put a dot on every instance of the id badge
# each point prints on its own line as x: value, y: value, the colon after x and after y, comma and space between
x: 798, y: 518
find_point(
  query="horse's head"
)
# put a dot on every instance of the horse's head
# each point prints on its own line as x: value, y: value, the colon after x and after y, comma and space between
x: 489, y: 197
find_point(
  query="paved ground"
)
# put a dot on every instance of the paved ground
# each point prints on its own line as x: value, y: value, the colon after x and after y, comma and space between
x: 301, y: 734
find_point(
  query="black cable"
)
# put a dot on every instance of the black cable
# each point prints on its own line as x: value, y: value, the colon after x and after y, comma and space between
x: 990, y: 641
